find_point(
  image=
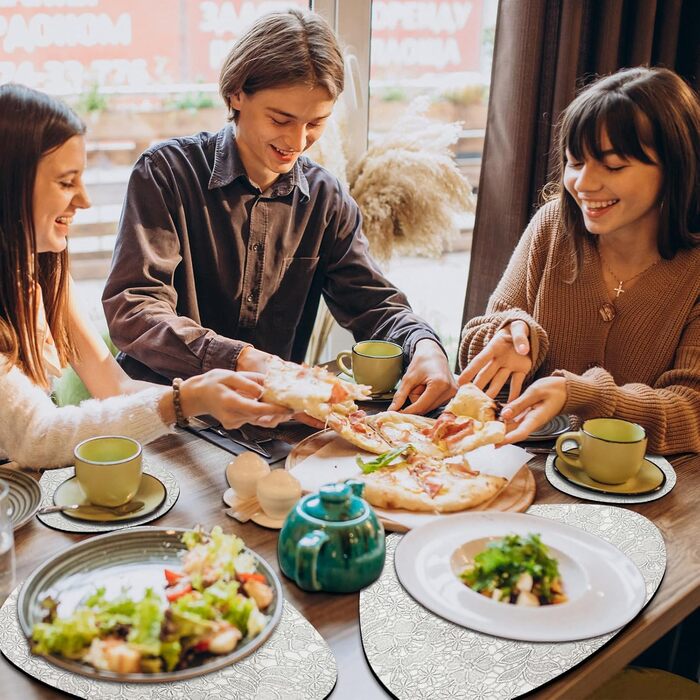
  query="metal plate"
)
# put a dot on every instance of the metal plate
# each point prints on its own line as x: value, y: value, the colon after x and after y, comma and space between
x: 133, y: 557
x: 25, y: 496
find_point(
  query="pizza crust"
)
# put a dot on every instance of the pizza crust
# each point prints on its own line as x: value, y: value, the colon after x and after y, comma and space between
x: 472, y: 402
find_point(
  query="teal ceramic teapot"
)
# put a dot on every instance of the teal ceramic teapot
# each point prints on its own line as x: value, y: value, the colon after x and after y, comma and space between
x: 332, y: 540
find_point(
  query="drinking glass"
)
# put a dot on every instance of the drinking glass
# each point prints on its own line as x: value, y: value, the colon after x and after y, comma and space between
x: 7, y: 544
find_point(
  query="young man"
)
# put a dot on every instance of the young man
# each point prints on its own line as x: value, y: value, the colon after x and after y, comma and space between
x: 228, y: 240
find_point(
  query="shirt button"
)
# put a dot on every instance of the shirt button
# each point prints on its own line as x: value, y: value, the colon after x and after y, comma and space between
x: 607, y: 312
x: 256, y: 247
x: 591, y: 365
x: 250, y: 298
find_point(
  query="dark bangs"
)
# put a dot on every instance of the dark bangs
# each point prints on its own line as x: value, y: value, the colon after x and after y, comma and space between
x: 615, y: 113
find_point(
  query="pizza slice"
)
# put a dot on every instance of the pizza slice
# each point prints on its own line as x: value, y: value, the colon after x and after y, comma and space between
x: 357, y: 431
x: 419, y: 483
x: 469, y: 421
x: 313, y: 390
x: 472, y: 402
x: 406, y: 429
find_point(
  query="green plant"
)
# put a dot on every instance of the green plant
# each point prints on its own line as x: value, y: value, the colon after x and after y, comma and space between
x: 192, y: 101
x: 466, y: 95
x: 91, y: 100
x: 394, y: 94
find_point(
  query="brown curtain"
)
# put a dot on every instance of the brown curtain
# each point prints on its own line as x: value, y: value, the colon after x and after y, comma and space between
x: 544, y: 50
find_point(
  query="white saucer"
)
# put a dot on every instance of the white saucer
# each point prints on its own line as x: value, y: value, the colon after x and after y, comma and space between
x: 233, y: 500
x: 263, y: 520
x: 259, y: 517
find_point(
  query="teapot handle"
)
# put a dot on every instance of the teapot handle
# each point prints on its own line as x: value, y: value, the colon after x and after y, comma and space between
x: 307, y: 559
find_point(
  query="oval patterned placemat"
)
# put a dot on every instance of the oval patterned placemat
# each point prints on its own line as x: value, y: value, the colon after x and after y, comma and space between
x: 25, y: 496
x: 405, y: 643
x: 53, y: 478
x: 294, y: 664
x: 587, y: 495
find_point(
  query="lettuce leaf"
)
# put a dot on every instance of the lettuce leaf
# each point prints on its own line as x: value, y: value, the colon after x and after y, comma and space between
x: 386, y: 459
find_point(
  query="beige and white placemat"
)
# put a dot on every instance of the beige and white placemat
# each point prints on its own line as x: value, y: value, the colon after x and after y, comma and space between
x: 294, y: 664
x: 51, y: 479
x: 561, y: 484
x: 416, y: 654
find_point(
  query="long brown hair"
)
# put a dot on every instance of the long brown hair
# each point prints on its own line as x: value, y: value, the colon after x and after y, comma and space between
x: 639, y: 109
x: 283, y: 49
x: 32, y: 124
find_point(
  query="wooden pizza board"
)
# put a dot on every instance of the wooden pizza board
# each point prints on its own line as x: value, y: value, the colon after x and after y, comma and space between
x: 516, y: 497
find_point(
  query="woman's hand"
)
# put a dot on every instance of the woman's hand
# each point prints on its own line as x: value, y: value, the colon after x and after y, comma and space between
x: 232, y: 398
x: 540, y: 402
x: 428, y: 381
x: 506, y: 356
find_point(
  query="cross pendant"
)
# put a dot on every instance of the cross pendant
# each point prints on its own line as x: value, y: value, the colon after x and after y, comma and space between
x: 619, y: 290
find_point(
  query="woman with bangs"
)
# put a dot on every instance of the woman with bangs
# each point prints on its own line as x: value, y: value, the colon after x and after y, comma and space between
x: 599, y: 307
x: 41, y: 327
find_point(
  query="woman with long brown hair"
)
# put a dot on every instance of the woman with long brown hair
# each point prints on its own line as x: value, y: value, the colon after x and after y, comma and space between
x: 42, y: 159
x: 599, y: 307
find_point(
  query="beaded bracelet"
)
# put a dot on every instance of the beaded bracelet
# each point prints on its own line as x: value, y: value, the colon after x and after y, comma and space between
x: 180, y: 419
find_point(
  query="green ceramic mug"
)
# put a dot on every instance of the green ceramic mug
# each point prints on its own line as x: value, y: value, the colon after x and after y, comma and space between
x: 108, y: 469
x: 378, y: 363
x: 610, y: 450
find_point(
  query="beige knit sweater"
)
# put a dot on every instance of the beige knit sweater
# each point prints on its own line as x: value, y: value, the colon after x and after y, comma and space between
x: 642, y: 365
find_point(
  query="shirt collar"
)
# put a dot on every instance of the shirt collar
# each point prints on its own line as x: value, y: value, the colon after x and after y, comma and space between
x: 228, y: 167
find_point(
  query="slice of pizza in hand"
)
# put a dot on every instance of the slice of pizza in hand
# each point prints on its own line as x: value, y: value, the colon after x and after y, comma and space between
x: 313, y: 390
x: 469, y: 421
x: 472, y: 402
x: 405, y: 479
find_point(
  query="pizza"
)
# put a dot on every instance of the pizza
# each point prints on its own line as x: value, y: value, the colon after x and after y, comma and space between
x: 311, y: 390
x: 419, y: 483
x: 468, y: 422
x: 472, y: 402
x: 422, y: 465
x: 355, y: 429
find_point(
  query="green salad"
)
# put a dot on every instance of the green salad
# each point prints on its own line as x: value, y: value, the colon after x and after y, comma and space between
x: 516, y: 570
x: 210, y: 606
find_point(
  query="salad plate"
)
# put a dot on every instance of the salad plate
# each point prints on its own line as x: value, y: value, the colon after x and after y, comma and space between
x: 25, y: 496
x: 605, y: 590
x: 128, y: 563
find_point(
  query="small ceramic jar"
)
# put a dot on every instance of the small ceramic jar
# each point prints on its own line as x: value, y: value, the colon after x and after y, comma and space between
x: 332, y: 541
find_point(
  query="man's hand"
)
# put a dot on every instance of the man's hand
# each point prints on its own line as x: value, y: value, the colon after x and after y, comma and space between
x: 505, y: 357
x: 251, y: 359
x: 540, y: 402
x: 428, y: 382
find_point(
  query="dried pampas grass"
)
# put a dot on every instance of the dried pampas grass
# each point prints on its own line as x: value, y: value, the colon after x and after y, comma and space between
x: 409, y: 189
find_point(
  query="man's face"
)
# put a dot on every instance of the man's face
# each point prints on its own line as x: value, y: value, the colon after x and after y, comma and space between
x: 275, y: 126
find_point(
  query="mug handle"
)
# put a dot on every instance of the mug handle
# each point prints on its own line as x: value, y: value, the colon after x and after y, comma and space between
x: 573, y: 436
x: 307, y: 560
x: 340, y: 361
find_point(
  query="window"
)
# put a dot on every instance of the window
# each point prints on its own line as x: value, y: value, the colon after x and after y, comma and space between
x: 436, y: 55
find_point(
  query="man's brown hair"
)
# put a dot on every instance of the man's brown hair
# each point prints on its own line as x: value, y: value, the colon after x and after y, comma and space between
x: 283, y: 49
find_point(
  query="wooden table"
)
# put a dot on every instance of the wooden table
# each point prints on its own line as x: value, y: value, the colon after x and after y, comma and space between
x: 200, y: 466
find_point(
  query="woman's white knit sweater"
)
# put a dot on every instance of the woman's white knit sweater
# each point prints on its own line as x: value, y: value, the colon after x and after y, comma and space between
x: 36, y: 433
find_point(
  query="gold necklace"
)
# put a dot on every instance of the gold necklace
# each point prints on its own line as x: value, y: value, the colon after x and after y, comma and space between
x: 619, y: 289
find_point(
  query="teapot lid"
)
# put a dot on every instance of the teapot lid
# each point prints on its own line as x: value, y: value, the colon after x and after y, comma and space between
x: 337, y: 502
